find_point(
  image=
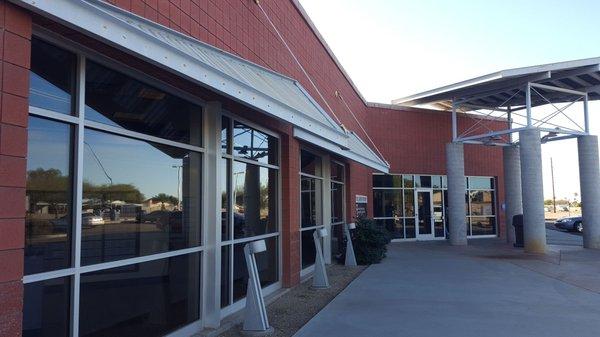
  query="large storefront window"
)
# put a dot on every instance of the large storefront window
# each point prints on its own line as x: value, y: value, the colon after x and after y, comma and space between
x: 249, y: 193
x: 414, y: 206
x: 113, y: 202
x: 311, y: 204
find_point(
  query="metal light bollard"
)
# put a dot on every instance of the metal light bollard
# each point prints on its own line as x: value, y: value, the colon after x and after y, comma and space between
x: 350, y: 257
x: 320, y: 280
x: 256, y: 321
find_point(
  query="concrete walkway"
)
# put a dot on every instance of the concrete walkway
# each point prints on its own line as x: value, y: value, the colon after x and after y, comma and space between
x: 485, y: 289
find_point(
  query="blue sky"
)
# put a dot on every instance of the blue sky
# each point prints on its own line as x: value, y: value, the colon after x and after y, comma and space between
x: 396, y: 48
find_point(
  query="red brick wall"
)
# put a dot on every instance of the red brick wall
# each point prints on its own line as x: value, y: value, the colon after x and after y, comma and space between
x: 15, y: 36
x: 414, y: 140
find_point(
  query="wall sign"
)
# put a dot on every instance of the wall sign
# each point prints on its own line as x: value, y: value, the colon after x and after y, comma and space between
x: 361, y: 205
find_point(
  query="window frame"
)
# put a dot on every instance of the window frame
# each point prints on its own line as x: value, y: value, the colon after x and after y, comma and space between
x: 235, y: 305
x: 79, y: 123
x: 444, y: 188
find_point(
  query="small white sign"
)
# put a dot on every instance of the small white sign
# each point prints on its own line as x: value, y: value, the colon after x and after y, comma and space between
x: 361, y: 199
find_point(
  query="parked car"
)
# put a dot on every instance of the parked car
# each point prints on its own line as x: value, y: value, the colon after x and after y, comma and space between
x: 90, y: 219
x: 573, y: 223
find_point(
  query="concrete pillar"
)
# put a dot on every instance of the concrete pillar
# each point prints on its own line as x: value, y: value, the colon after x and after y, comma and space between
x: 512, y: 188
x: 589, y: 180
x: 455, y: 167
x: 534, y: 230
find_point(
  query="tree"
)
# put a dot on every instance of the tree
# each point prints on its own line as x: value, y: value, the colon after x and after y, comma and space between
x: 162, y: 198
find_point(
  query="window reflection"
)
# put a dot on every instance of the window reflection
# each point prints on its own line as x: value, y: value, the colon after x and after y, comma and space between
x: 145, y: 299
x: 337, y: 203
x: 266, y: 263
x: 337, y: 172
x: 311, y: 204
x: 255, y: 191
x: 48, y: 221
x: 46, y: 308
x: 482, y: 202
x: 254, y: 145
x: 52, y: 77
x: 118, y: 100
x: 139, y: 198
x: 225, y: 189
x: 309, y: 251
x: 310, y: 163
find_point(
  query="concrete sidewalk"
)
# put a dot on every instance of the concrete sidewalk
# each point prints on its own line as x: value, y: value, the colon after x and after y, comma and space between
x: 485, y: 289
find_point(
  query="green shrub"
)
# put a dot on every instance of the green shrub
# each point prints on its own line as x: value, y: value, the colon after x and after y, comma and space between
x: 369, y: 241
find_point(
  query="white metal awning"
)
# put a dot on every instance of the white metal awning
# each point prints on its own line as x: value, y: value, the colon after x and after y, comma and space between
x: 501, y: 88
x: 260, y: 88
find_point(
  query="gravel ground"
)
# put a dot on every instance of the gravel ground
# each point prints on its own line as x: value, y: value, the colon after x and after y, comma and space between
x: 293, y: 309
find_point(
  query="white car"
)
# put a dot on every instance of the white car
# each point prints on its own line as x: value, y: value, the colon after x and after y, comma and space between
x: 91, y: 220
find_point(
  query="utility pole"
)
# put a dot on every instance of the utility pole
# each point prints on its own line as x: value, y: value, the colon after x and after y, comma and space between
x: 553, y: 194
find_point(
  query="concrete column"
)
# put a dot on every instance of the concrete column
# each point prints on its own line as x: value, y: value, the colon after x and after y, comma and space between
x: 455, y: 167
x: 512, y: 188
x: 534, y: 230
x: 589, y: 180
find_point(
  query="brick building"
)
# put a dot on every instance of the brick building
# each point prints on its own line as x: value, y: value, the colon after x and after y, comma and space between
x: 121, y: 123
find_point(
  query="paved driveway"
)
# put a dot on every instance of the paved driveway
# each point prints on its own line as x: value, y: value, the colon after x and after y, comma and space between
x: 486, y: 289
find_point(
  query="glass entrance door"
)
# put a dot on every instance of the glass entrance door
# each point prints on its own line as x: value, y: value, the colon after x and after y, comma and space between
x: 424, y: 215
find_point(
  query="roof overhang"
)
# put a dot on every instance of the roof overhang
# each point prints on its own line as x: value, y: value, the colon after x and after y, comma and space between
x: 253, y: 85
x: 499, y: 89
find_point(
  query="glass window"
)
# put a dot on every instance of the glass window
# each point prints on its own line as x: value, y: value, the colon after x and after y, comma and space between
x: 394, y: 226
x: 409, y: 224
x: 381, y: 180
x: 255, y: 198
x: 408, y: 180
x: 266, y: 263
x: 337, y: 203
x: 482, y: 202
x: 309, y: 251
x: 310, y: 163
x: 118, y: 100
x: 48, y: 219
x: 145, y: 299
x: 254, y: 145
x: 225, y: 135
x: 46, y: 308
x: 52, y: 77
x: 225, y: 189
x: 409, y: 203
x: 387, y: 203
x: 337, y: 172
x: 311, y: 204
x: 338, y: 248
x: 483, y: 226
x: 139, y: 198
x: 436, y: 182
x: 481, y: 183
x: 225, y: 277
x: 422, y: 181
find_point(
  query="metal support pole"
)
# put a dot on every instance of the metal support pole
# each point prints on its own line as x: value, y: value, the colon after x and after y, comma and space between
x: 589, y: 180
x: 255, y: 313
x: 457, y: 189
x: 509, y: 118
x: 586, y: 117
x: 512, y: 188
x: 534, y: 224
x: 320, y: 280
x: 528, y: 104
x: 454, y: 121
x: 350, y: 257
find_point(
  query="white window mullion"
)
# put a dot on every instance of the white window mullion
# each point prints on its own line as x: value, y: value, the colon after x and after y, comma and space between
x: 78, y: 195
